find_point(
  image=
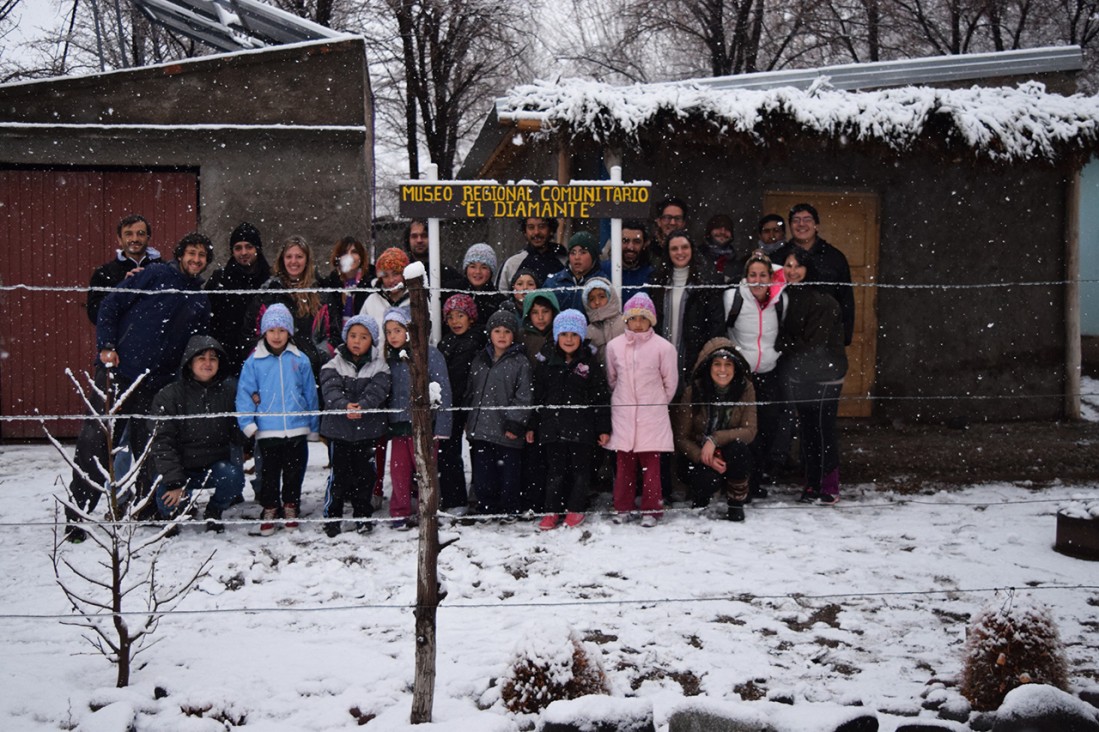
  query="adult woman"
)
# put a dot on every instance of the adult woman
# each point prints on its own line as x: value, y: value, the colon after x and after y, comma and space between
x: 293, y: 283
x: 686, y: 299
x: 714, y: 423
x: 814, y: 363
x: 753, y: 310
x: 349, y: 269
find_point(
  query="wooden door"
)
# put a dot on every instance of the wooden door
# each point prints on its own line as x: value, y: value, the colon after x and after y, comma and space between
x: 848, y: 221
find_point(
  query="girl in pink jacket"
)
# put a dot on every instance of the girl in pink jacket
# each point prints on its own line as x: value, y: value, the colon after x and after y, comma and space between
x: 643, y: 373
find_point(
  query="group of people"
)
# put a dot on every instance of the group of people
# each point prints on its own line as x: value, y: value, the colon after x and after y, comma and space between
x: 540, y: 366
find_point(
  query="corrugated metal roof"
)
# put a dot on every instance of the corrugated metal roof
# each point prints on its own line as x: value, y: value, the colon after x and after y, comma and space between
x: 916, y: 72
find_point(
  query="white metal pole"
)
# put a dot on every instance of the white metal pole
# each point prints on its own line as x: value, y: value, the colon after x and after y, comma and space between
x: 435, y: 266
x: 616, y: 240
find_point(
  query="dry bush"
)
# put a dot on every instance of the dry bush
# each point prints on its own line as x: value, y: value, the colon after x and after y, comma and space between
x: 1007, y: 646
x: 547, y: 670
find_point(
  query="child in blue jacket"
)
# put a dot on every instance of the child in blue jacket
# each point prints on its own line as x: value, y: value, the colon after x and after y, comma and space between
x: 277, y: 396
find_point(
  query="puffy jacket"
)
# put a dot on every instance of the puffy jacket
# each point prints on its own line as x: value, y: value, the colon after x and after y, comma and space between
x: 150, y: 332
x: 560, y: 386
x: 343, y: 383
x: 753, y: 326
x: 643, y: 374
x: 505, y: 382
x: 282, y: 384
x: 400, y: 396
x: 693, y: 417
x: 811, y: 337
x: 182, y: 445
x: 113, y: 272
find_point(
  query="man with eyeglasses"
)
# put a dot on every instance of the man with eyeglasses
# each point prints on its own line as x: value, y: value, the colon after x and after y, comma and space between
x: 829, y: 264
x: 636, y: 266
x: 772, y: 235
x: 671, y: 214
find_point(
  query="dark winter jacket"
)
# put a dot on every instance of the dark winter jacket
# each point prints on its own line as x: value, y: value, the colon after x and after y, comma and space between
x: 113, y: 272
x: 570, y: 289
x: 400, y: 395
x: 366, y: 382
x: 505, y: 382
x: 830, y: 265
x: 150, y: 332
x: 701, y: 311
x: 487, y: 299
x: 229, y: 311
x: 811, y: 336
x: 541, y: 264
x: 560, y: 385
x: 695, y: 417
x: 182, y: 445
x: 533, y: 338
x: 459, y: 350
x: 316, y: 335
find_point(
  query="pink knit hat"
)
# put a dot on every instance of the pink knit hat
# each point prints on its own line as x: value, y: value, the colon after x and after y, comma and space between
x: 640, y: 304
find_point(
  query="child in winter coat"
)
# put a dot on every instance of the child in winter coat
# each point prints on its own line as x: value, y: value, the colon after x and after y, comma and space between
x: 643, y: 373
x: 479, y: 270
x: 402, y: 459
x: 354, y: 383
x: 568, y: 375
x: 523, y: 281
x: 500, y: 377
x: 461, y: 342
x: 275, y: 386
x: 604, y: 311
x: 539, y: 309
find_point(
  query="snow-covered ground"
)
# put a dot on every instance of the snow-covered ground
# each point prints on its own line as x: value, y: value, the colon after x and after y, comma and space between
x: 865, y: 601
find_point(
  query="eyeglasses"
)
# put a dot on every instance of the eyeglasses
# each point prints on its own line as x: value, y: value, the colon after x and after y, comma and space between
x: 671, y: 218
x: 802, y: 220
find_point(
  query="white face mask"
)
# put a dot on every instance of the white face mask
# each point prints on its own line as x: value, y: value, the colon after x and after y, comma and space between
x: 347, y: 263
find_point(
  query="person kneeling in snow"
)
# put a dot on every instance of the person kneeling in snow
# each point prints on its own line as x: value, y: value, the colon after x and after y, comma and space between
x: 198, y: 452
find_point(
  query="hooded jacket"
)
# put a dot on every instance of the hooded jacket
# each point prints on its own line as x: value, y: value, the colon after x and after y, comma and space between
x: 183, y: 445
x: 643, y: 374
x: 605, y: 323
x: 343, y: 383
x: 400, y: 395
x: 505, y: 382
x: 694, y: 418
x: 113, y: 272
x: 271, y: 389
x: 534, y: 339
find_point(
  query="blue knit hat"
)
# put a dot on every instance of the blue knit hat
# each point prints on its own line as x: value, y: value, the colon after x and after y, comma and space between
x: 482, y: 254
x: 398, y: 315
x: 365, y: 321
x: 570, y: 321
x: 276, y: 316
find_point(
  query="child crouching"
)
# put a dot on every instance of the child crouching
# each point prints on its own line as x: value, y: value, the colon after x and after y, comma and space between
x: 275, y: 394
x: 354, y: 383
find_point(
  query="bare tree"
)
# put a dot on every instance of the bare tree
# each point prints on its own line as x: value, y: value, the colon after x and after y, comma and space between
x: 103, y: 590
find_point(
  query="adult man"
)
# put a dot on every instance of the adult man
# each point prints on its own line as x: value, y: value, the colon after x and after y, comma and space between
x: 131, y: 257
x: 671, y: 215
x: 139, y: 334
x: 197, y: 453
x: 722, y: 250
x: 829, y: 263
x: 542, y: 255
x: 247, y: 269
x: 583, y: 265
x: 416, y: 244
x: 636, y: 266
x: 772, y: 235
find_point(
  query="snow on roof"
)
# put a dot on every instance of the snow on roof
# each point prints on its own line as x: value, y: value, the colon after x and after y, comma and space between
x: 1003, y: 124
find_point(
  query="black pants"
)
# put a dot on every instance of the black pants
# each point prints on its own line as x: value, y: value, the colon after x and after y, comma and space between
x: 452, y: 468
x: 353, y: 477
x: 93, y: 456
x: 706, y: 481
x: 769, y: 388
x: 284, y: 460
x: 817, y: 405
x: 569, y: 478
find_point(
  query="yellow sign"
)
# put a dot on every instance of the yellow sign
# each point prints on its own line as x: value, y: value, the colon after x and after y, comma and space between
x: 488, y: 199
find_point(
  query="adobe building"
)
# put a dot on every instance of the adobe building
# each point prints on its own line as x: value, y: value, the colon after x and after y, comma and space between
x: 282, y: 138
x: 952, y: 184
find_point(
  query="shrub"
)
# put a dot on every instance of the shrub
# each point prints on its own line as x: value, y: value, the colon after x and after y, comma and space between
x: 550, y: 668
x: 1007, y: 646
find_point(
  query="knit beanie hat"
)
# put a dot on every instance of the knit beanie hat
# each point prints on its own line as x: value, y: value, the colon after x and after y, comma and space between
x: 588, y: 241
x: 570, y: 321
x: 596, y: 283
x: 640, y: 304
x: 246, y: 232
x: 276, y: 316
x: 398, y: 315
x: 504, y: 319
x: 391, y: 260
x: 481, y: 254
x: 365, y: 321
x: 529, y: 272
x: 462, y: 303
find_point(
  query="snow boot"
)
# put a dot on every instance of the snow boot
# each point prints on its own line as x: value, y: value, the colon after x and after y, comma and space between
x: 736, y: 511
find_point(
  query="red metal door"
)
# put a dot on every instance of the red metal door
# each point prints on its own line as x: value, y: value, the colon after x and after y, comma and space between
x: 56, y: 227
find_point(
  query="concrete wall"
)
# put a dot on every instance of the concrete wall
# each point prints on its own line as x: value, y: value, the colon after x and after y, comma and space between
x: 308, y: 170
x: 1089, y: 250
